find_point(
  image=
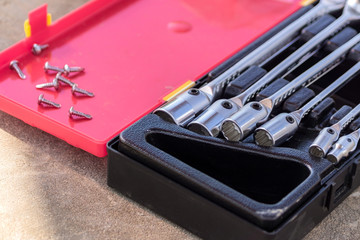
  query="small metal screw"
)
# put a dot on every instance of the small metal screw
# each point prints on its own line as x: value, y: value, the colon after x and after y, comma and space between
x: 331, y: 131
x: 75, y: 89
x: 193, y: 91
x: 54, y: 84
x: 37, y: 49
x: 290, y: 119
x: 226, y: 105
x: 256, y: 106
x: 64, y: 80
x: 14, y: 64
x: 48, y: 67
x: 73, y: 113
x: 68, y: 69
x: 43, y: 101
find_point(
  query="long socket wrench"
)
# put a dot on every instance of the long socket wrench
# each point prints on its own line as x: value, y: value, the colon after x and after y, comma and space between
x: 183, y: 108
x: 283, y: 126
x: 328, y: 135
x: 242, y: 123
x: 209, y: 122
x: 344, y: 146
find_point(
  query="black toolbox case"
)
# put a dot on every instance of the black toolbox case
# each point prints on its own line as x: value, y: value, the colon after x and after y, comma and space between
x: 218, y: 189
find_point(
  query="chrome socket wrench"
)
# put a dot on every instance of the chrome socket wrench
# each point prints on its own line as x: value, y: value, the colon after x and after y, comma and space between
x: 242, y: 123
x: 343, y: 147
x: 209, y: 122
x: 328, y: 135
x: 283, y: 126
x: 183, y: 108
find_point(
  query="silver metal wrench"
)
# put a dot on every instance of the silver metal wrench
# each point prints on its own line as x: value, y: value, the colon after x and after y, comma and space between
x: 244, y: 122
x: 283, y: 126
x: 328, y: 135
x: 183, y: 108
x: 209, y: 122
x: 344, y: 146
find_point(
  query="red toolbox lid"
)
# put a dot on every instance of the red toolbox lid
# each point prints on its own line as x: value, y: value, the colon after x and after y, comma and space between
x: 134, y: 52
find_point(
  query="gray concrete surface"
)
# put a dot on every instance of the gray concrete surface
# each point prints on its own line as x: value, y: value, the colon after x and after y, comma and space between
x: 51, y: 190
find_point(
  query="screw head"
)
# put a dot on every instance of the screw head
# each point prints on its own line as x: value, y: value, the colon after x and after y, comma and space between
x: 56, y: 83
x: 256, y: 106
x: 67, y: 69
x: 13, y: 62
x: 41, y: 97
x: 331, y: 131
x: 36, y: 49
x: 46, y: 66
x: 193, y: 91
x: 226, y: 104
x: 290, y: 119
x: 71, y: 110
x: 74, y: 87
x: 58, y: 75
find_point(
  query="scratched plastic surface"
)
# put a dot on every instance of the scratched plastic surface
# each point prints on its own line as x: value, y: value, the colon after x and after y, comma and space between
x: 134, y: 53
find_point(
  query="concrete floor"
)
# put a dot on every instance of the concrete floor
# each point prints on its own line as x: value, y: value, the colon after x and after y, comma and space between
x: 51, y: 190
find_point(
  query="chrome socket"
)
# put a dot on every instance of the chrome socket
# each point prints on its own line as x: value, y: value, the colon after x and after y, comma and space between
x: 243, y: 122
x: 323, y: 142
x: 343, y: 147
x: 209, y: 122
x: 276, y: 131
x: 184, y: 107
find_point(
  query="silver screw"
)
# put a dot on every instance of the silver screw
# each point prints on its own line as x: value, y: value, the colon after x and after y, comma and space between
x: 68, y: 69
x: 48, y: 67
x: 37, y: 49
x: 43, y: 101
x: 64, y: 80
x: 14, y: 64
x: 54, y: 84
x: 73, y: 113
x: 75, y: 89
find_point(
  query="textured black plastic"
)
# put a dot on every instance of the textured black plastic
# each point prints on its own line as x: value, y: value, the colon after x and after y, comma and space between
x: 355, y: 125
x: 229, y: 190
x: 271, y: 89
x: 222, y: 190
x: 243, y: 81
x: 308, y: 32
x: 298, y: 99
x: 339, y: 114
x: 355, y: 53
x: 319, y: 113
x: 342, y: 37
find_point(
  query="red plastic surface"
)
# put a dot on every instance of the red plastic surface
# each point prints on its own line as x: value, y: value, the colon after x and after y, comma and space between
x: 134, y: 52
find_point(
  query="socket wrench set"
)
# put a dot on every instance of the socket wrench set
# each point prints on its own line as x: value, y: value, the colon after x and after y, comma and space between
x: 265, y: 145
x: 81, y: 107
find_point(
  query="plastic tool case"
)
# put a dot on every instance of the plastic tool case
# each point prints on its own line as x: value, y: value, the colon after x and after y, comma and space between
x: 219, y: 189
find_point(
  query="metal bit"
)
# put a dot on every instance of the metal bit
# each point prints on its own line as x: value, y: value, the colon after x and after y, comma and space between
x: 37, y: 49
x: 48, y: 67
x: 283, y: 126
x: 76, y: 114
x: 75, y: 89
x: 185, y: 106
x: 343, y: 147
x: 53, y: 84
x: 64, y: 80
x: 209, y: 122
x: 68, y: 70
x: 14, y: 65
x: 328, y: 135
x: 243, y: 122
x: 42, y: 101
